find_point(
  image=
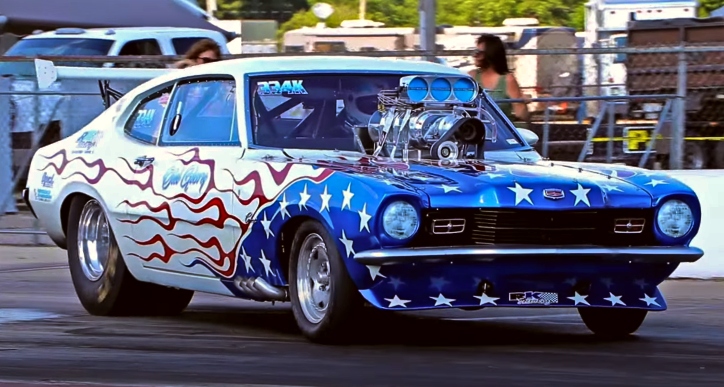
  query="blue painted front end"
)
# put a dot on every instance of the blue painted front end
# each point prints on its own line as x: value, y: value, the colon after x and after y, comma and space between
x: 354, y: 221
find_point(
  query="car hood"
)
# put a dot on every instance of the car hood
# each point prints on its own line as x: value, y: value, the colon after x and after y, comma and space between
x: 540, y: 185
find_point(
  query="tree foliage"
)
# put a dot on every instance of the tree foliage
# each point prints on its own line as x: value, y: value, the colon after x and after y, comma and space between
x: 293, y: 14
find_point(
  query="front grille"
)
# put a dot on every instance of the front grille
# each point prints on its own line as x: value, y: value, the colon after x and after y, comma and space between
x: 605, y: 227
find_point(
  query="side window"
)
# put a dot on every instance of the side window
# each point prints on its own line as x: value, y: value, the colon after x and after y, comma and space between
x: 182, y: 45
x: 202, y: 112
x: 141, y: 47
x: 145, y: 123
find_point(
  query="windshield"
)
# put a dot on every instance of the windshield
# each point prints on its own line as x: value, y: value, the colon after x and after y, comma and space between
x: 321, y: 111
x: 54, y: 47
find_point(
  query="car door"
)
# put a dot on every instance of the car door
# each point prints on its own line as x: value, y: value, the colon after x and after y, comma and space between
x: 185, y: 227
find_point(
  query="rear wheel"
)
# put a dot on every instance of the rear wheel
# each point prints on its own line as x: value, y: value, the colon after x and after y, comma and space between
x: 612, y: 323
x: 102, y: 282
x: 324, y: 298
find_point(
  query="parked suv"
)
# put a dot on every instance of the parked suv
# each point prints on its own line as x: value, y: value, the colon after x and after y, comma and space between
x: 62, y: 114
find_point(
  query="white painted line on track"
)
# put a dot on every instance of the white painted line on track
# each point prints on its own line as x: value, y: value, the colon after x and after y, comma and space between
x: 11, y: 315
x: 26, y: 383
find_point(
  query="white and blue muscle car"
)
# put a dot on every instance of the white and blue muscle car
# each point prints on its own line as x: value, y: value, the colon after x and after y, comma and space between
x: 337, y: 183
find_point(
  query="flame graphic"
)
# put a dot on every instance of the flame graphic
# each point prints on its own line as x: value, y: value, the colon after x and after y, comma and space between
x: 225, y: 263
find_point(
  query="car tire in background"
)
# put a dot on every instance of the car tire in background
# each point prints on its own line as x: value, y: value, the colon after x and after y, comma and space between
x: 102, y: 282
x: 612, y: 323
x: 324, y: 315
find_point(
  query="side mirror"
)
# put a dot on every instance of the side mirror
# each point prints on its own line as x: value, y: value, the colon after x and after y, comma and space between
x: 529, y: 136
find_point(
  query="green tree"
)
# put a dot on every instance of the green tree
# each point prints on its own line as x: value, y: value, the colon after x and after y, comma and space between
x: 706, y: 6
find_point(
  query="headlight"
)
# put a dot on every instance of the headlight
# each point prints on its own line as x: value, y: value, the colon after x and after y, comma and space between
x: 675, y: 219
x: 400, y: 220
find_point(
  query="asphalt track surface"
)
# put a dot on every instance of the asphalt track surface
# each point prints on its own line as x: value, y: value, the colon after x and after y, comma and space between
x: 47, y: 338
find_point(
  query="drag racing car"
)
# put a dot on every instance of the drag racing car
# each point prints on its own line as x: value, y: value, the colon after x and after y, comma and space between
x: 342, y: 184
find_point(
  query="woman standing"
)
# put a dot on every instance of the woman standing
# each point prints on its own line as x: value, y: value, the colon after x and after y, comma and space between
x: 493, y: 74
x: 203, y: 51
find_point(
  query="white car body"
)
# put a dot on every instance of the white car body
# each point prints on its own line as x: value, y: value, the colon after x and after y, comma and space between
x: 48, y: 195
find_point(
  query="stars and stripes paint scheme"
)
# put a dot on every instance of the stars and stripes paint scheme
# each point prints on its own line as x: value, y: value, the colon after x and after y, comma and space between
x: 218, y: 214
x: 200, y: 217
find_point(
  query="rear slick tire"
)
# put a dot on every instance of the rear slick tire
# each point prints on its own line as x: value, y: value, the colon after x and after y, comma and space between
x: 612, y: 323
x: 102, y: 282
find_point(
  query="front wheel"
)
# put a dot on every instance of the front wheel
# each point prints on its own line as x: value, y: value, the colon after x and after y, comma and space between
x: 612, y: 323
x: 324, y: 298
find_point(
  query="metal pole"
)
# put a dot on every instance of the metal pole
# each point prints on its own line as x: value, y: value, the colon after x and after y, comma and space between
x: 676, y: 154
x: 427, y: 10
x: 211, y: 7
x: 362, y: 9
x: 6, y: 151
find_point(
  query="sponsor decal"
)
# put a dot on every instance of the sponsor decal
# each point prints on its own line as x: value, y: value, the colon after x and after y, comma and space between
x: 42, y: 194
x: 278, y: 88
x: 186, y: 178
x: 87, y: 142
x: 47, y: 180
x: 533, y: 298
x: 553, y: 193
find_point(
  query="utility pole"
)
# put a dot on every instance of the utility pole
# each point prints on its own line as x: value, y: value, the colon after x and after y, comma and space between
x: 362, y: 9
x: 211, y: 7
x: 428, y: 23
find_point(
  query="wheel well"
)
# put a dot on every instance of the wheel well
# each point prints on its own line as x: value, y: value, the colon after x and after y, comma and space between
x: 65, y: 210
x: 286, y: 237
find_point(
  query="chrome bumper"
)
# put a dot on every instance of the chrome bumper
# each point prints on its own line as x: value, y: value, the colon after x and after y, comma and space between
x: 402, y: 256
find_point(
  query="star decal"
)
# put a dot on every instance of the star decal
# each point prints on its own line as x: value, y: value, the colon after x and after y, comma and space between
x: 396, y: 282
x: 607, y: 281
x: 303, y: 198
x: 438, y: 283
x: 649, y: 300
x: 347, y: 244
x: 283, y: 206
x: 347, y: 194
x: 396, y: 301
x: 247, y: 260
x: 448, y: 188
x: 493, y: 175
x: 485, y: 299
x: 266, y: 223
x: 614, y: 299
x: 641, y: 283
x: 610, y: 188
x: 521, y: 194
x: 364, y: 219
x: 655, y: 182
x: 267, y: 264
x: 441, y: 300
x: 579, y: 299
x: 375, y: 271
x: 581, y: 195
x: 325, y: 200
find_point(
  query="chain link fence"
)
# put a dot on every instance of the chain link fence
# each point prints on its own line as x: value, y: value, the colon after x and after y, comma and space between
x: 654, y: 107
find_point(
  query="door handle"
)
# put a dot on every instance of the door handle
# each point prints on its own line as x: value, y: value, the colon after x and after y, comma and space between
x: 144, y: 161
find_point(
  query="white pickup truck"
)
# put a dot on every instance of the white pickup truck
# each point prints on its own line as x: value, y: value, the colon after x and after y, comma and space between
x: 63, y: 114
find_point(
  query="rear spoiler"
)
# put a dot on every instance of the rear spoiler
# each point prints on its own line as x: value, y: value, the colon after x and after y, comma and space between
x: 47, y: 73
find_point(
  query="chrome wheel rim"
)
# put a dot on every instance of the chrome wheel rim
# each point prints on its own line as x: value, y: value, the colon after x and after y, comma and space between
x: 313, y: 278
x: 94, y: 240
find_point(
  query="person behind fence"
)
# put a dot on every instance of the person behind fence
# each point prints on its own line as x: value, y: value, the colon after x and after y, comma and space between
x: 203, y: 51
x: 493, y: 74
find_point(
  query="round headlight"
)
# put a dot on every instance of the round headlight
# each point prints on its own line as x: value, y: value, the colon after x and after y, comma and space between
x: 400, y: 220
x: 675, y: 219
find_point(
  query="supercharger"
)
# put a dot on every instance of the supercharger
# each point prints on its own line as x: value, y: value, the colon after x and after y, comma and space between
x: 432, y: 117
